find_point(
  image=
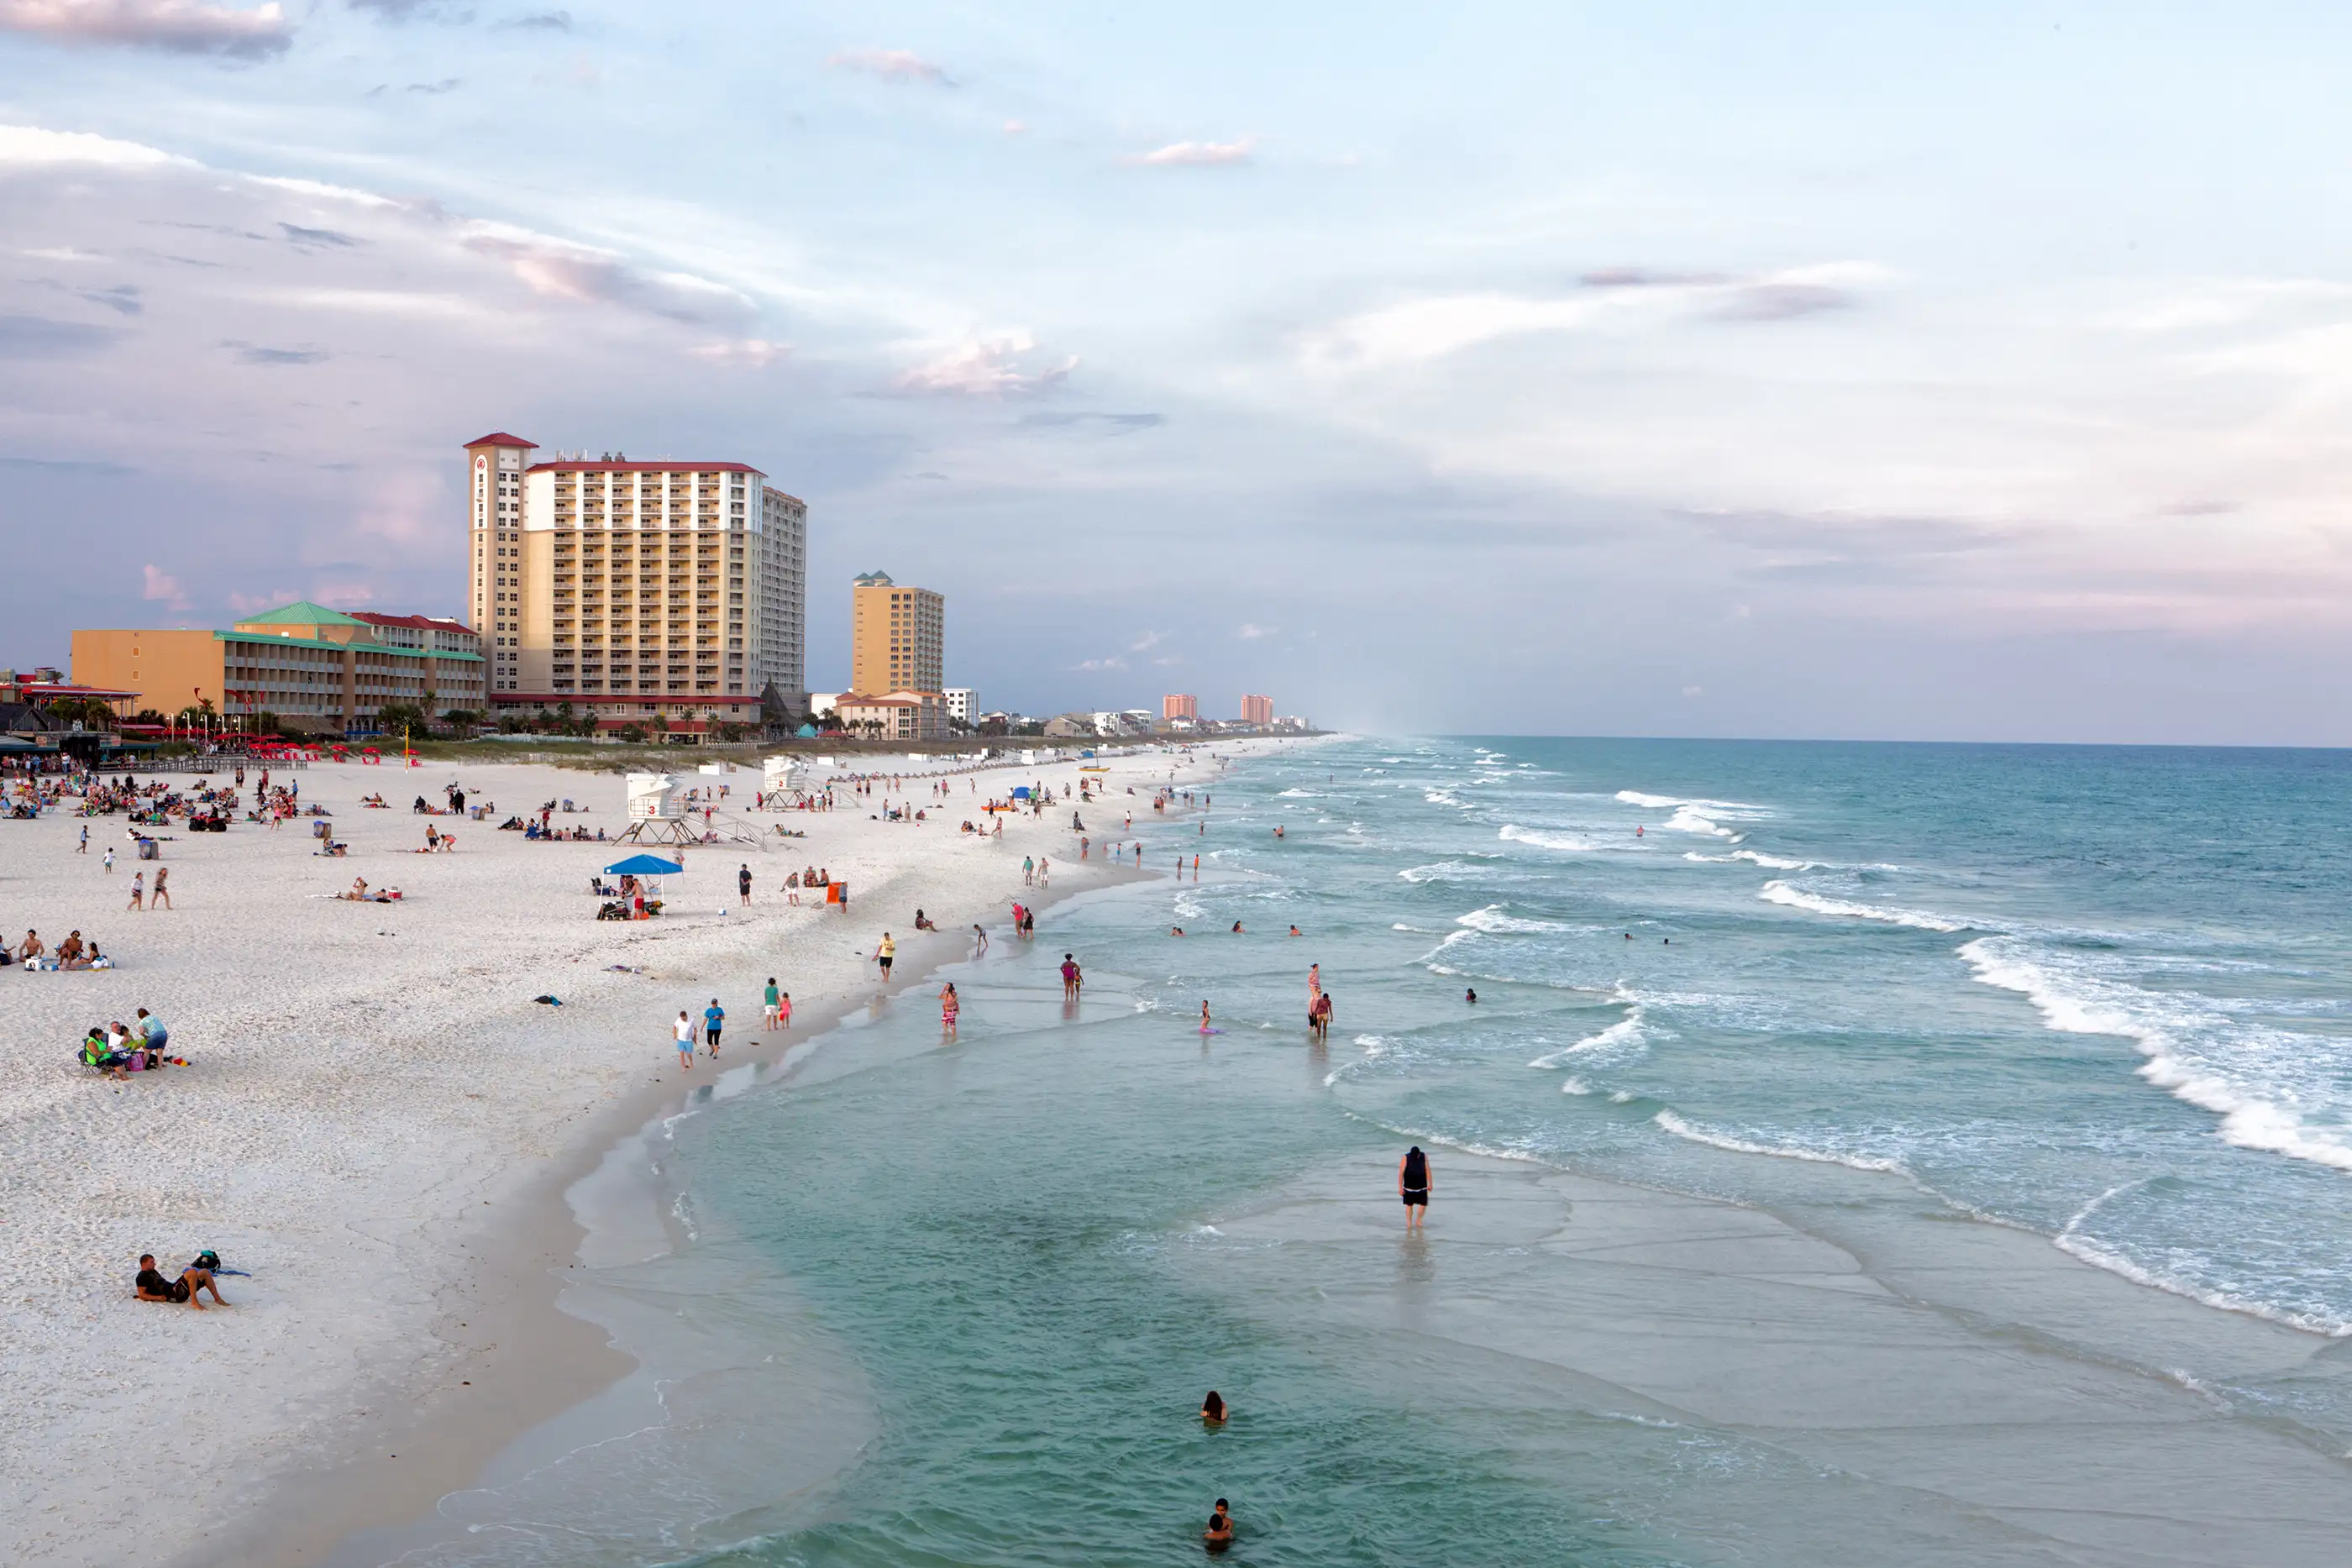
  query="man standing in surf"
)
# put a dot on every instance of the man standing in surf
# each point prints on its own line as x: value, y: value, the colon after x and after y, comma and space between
x: 1413, y: 1186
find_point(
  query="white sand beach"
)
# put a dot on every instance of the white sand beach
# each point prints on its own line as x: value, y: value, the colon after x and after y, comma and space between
x: 376, y: 1118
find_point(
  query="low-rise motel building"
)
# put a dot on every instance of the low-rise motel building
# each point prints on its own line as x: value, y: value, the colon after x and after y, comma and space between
x: 316, y: 669
x: 894, y: 716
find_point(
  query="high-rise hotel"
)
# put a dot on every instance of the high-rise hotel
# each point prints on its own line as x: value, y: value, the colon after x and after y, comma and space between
x: 635, y: 591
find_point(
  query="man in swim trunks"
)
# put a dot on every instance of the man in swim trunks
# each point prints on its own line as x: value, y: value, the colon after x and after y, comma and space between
x: 884, y: 953
x: 682, y: 1034
x: 1413, y: 1186
x: 150, y: 1285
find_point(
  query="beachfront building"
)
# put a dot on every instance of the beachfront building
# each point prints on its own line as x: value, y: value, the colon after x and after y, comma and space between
x: 963, y: 705
x: 897, y: 636
x: 636, y: 591
x: 897, y: 715
x: 316, y: 669
x: 1258, y: 710
x: 1180, y: 705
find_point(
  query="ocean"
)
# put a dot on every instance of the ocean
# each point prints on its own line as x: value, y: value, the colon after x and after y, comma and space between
x: 1900, y: 1002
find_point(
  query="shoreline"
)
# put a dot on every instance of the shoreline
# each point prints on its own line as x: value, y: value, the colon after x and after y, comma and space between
x: 555, y: 1362
x: 508, y: 1357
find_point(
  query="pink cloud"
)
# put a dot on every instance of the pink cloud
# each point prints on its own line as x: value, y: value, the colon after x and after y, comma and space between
x: 982, y: 369
x: 162, y: 588
x: 1196, y: 155
x: 891, y: 65
x: 182, y: 27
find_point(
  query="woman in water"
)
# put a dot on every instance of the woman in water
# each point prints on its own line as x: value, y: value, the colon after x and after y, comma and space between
x: 1204, y: 1019
x: 949, y: 1007
x: 1213, y: 1408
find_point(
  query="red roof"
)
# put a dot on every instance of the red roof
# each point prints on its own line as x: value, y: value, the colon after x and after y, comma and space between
x: 422, y: 622
x: 652, y: 467
x: 500, y: 438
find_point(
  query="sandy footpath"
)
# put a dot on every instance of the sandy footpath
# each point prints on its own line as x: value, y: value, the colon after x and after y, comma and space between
x: 370, y: 1086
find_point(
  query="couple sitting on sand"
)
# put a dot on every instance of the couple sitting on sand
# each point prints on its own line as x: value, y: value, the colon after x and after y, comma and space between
x: 362, y: 894
x: 195, y: 1278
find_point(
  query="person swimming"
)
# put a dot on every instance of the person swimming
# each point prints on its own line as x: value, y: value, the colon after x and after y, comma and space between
x: 1470, y: 995
x: 1237, y: 928
x: 1213, y: 1408
x: 1220, y: 1534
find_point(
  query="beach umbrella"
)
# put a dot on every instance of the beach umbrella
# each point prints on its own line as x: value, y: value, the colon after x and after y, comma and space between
x: 643, y: 865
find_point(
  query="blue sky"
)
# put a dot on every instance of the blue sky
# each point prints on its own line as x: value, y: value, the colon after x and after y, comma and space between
x: 1813, y: 371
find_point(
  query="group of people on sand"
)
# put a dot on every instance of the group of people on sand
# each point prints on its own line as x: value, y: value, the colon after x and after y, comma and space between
x: 119, y: 1049
x: 74, y: 953
x: 361, y: 893
x: 775, y: 1010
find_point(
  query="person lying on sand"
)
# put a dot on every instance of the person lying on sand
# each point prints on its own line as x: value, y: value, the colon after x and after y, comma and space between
x: 152, y: 1287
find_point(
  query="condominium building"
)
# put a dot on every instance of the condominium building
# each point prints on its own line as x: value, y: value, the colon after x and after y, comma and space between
x: 635, y: 591
x: 897, y: 636
x: 314, y: 668
x: 1258, y: 710
x: 1180, y: 705
x: 963, y: 705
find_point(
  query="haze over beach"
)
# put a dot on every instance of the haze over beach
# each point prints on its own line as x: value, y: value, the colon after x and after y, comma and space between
x: 830, y: 786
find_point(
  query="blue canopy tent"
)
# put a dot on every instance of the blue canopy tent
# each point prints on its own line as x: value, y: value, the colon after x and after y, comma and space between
x: 643, y: 865
x: 1020, y: 791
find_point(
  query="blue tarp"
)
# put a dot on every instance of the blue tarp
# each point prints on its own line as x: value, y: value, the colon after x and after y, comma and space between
x: 1020, y: 791
x: 643, y: 865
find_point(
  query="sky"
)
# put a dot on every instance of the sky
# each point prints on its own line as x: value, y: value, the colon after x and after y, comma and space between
x: 1712, y: 370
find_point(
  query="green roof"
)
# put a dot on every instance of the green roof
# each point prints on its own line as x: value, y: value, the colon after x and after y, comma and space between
x: 301, y: 612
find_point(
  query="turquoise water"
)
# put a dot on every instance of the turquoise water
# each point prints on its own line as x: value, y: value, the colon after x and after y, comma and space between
x: 2095, y: 996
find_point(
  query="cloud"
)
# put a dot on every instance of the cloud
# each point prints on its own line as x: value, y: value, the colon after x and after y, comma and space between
x: 891, y: 66
x: 977, y: 367
x: 1250, y: 631
x: 1148, y: 641
x: 756, y: 352
x: 31, y: 146
x: 562, y: 270
x: 434, y: 89
x: 1426, y: 329
x: 347, y: 594
x: 253, y: 603
x: 1110, y: 663
x: 1785, y: 301
x: 122, y: 299
x: 1195, y: 155
x: 161, y: 588
x: 182, y: 26
x: 1693, y: 691
x: 1646, y: 277
x: 39, y: 338
x: 253, y: 355
x: 310, y: 238
x: 539, y: 21
x: 1016, y: 128
x: 2200, y: 508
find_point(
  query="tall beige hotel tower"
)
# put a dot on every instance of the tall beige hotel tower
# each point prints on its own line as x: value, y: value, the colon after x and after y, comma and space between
x: 635, y: 591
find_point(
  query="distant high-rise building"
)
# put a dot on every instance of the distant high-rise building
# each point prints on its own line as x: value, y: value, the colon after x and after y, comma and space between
x: 1180, y: 705
x: 963, y: 705
x: 1258, y: 710
x: 896, y: 637
x: 635, y: 591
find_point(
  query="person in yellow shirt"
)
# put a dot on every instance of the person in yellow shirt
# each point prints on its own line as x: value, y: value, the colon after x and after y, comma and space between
x: 884, y: 953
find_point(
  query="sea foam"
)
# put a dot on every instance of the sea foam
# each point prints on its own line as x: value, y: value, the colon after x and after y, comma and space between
x: 2239, y: 1072
x: 1778, y: 892
x: 1697, y: 1134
